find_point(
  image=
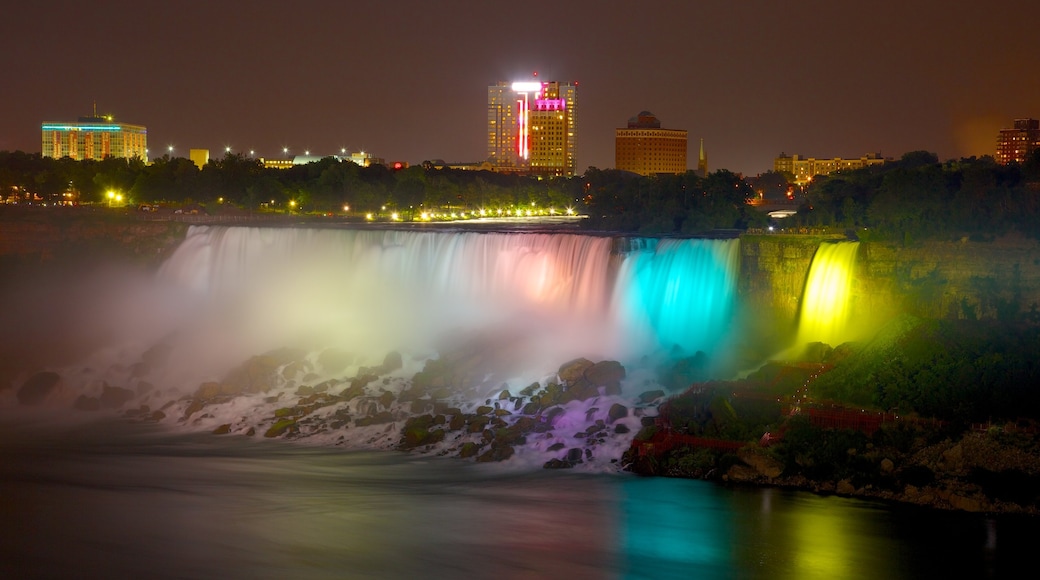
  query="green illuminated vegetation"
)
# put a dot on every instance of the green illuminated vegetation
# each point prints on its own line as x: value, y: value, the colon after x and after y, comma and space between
x: 918, y: 198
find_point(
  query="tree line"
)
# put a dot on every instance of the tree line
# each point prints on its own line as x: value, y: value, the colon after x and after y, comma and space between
x: 913, y: 198
x: 917, y: 198
x: 613, y: 200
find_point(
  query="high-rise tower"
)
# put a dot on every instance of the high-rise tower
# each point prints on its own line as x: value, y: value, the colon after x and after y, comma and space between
x: 532, y: 127
x: 1016, y: 144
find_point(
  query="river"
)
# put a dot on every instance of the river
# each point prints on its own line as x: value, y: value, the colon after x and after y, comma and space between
x: 116, y: 499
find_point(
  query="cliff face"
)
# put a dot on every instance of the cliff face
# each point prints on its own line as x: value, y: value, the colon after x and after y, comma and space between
x: 997, y: 280
x: 45, y: 234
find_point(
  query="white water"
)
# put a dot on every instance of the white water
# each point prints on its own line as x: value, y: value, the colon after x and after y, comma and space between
x: 526, y: 302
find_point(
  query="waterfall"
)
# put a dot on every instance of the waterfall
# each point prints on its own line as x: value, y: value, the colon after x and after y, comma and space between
x: 826, y: 305
x: 377, y: 290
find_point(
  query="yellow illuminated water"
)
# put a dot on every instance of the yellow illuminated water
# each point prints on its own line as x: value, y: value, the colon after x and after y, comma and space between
x: 827, y: 298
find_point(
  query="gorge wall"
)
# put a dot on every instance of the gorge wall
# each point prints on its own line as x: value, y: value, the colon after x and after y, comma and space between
x: 998, y: 280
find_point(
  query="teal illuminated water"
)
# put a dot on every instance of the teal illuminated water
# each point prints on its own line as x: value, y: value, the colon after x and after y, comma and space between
x: 120, y: 500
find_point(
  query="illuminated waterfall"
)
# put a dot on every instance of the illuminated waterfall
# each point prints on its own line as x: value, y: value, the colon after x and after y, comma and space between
x: 827, y: 298
x: 679, y: 292
x: 379, y: 290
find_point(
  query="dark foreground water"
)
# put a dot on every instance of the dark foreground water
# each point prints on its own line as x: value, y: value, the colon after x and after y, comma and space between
x: 118, y: 500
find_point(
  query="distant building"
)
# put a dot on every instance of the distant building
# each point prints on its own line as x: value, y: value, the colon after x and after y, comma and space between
x: 1016, y: 144
x: 645, y: 148
x: 804, y: 169
x: 702, y: 162
x: 94, y: 137
x: 200, y: 157
x: 360, y: 158
x: 532, y: 127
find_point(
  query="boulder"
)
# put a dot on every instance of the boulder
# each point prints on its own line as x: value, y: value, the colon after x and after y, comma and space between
x: 606, y: 374
x: 280, y: 427
x: 392, y: 362
x: 617, y: 411
x: 85, y: 403
x: 469, y: 449
x: 38, y: 387
x: 223, y: 429
x: 762, y: 464
x: 574, y: 370
x: 114, y: 397
x: 334, y: 361
x: 650, y: 396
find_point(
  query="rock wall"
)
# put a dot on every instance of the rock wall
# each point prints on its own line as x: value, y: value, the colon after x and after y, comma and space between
x: 997, y: 280
x: 34, y: 234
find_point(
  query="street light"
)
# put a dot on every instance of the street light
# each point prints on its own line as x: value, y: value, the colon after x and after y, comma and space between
x: 170, y: 149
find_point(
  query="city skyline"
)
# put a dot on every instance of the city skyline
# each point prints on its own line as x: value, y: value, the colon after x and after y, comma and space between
x: 406, y: 82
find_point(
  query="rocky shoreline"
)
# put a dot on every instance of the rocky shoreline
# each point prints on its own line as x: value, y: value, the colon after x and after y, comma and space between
x: 576, y: 417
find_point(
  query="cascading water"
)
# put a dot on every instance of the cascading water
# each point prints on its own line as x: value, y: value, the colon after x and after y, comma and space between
x: 278, y: 330
x: 679, y: 292
x: 382, y: 290
x: 826, y: 307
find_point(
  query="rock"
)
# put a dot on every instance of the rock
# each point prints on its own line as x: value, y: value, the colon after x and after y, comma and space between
x: 574, y: 370
x: 845, y: 487
x: 621, y: 429
x: 257, y: 375
x: 38, y: 387
x: 557, y: 464
x: 223, y: 429
x: 469, y: 449
x: 85, y: 403
x: 380, y: 418
x: 157, y: 416
x: 606, y: 374
x: 887, y: 466
x: 392, y: 362
x: 280, y: 427
x: 616, y: 411
x: 556, y: 446
x: 251, y: 432
x: 499, y: 453
x: 386, y: 399
x: 334, y: 361
x: 574, y: 455
x: 953, y: 458
x: 968, y: 504
x: 304, y: 391
x: 416, y: 431
x: 208, y: 390
x: 763, y: 465
x: 114, y: 397
x: 739, y: 472
x: 650, y: 396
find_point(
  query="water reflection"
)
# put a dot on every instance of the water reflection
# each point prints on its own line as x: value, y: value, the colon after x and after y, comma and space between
x: 121, y: 500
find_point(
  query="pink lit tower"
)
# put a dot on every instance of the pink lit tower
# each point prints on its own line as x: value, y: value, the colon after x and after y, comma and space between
x: 532, y: 127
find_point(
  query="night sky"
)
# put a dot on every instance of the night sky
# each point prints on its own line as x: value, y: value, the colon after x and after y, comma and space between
x: 407, y: 80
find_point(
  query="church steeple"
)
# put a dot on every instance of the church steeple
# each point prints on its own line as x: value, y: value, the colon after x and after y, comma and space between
x: 702, y: 161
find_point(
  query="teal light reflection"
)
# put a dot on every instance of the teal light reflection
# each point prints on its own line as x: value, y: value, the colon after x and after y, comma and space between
x: 674, y: 528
